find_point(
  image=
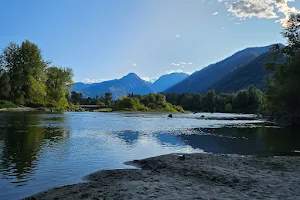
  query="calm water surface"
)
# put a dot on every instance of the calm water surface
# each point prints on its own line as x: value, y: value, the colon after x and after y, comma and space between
x: 40, y: 151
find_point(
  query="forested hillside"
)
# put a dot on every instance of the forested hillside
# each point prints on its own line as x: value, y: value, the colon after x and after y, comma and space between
x: 242, y: 77
x: 203, y: 80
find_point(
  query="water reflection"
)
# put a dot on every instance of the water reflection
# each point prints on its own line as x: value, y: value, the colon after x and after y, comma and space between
x: 129, y: 137
x: 245, y: 141
x: 22, y: 140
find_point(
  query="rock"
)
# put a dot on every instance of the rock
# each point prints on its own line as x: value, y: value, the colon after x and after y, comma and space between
x: 170, y: 116
x: 202, y: 116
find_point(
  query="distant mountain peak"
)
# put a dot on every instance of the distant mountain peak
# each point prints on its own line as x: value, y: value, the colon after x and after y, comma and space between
x: 132, y: 74
x: 168, y: 80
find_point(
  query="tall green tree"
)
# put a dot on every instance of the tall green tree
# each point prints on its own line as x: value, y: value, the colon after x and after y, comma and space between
x: 57, y: 81
x: 108, y: 99
x: 283, y: 86
x: 11, y: 62
x: 4, y: 84
x: 240, y: 101
x: 25, y: 67
x: 209, y: 104
x: 33, y: 67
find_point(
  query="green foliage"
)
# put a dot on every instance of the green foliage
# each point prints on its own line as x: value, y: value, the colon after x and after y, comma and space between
x: 151, y: 102
x: 244, y: 101
x: 7, y: 104
x: 283, y: 86
x: 75, y: 97
x: 26, y: 79
x: 103, y: 101
x: 108, y: 99
x: 4, y: 84
x: 130, y: 104
x: 228, y: 107
x: 240, y: 100
x: 57, y: 80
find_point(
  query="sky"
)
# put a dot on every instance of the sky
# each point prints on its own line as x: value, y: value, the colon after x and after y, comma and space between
x: 107, y: 39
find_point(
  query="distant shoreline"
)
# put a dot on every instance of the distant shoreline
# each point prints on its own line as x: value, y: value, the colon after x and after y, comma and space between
x: 202, y: 176
x: 30, y: 109
x: 19, y: 109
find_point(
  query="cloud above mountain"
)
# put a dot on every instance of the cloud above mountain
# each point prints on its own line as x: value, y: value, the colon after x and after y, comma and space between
x: 151, y: 80
x: 266, y: 9
x: 177, y: 71
x: 88, y: 80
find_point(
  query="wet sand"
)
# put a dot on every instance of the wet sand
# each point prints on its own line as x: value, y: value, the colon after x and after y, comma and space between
x: 197, y: 176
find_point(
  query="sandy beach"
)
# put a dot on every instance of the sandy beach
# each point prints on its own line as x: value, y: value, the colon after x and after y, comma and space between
x: 197, y: 176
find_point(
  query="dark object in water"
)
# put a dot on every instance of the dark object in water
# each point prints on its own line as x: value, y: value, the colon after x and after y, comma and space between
x: 202, y: 116
x: 195, y: 112
x: 181, y: 157
x: 170, y: 116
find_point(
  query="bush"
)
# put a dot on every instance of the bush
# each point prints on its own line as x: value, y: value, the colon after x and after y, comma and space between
x: 228, y: 107
x: 7, y: 104
x: 178, y: 108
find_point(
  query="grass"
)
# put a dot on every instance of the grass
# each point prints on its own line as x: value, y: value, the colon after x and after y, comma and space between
x: 7, y: 104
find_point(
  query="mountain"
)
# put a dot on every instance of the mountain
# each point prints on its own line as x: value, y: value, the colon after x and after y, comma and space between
x: 242, y: 77
x: 130, y: 83
x: 203, y: 80
x: 79, y: 86
x: 167, y: 81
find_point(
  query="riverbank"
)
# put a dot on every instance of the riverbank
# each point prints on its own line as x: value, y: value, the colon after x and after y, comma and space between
x: 19, y: 109
x: 200, y: 176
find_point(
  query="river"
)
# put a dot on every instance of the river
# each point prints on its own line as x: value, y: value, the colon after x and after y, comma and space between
x: 39, y: 151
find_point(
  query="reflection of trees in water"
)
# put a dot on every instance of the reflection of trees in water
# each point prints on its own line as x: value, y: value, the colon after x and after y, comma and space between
x: 23, y: 139
x: 257, y: 141
x: 281, y: 141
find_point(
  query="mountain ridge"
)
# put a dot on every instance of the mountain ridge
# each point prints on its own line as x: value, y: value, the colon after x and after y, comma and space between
x: 202, y: 80
x: 130, y: 83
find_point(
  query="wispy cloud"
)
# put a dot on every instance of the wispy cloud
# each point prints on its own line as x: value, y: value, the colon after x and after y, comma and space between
x: 266, y: 9
x: 215, y: 13
x: 87, y: 80
x: 152, y: 80
x: 134, y: 64
x: 181, y: 63
x: 177, y: 71
x: 177, y: 35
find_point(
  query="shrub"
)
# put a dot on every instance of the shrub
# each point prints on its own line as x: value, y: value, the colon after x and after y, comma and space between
x: 7, y: 104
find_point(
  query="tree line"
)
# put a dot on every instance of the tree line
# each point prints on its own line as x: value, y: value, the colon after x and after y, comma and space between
x: 130, y: 102
x: 27, y: 79
x: 250, y: 100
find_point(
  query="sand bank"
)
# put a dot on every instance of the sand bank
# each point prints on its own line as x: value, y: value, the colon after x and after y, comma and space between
x: 198, y: 176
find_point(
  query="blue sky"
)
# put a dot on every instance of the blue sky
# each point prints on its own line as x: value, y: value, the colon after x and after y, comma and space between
x: 107, y: 39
